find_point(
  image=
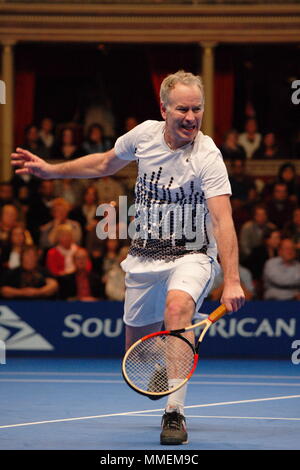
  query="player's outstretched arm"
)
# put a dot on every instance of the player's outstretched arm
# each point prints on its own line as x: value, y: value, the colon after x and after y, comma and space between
x: 90, y: 166
x: 220, y: 209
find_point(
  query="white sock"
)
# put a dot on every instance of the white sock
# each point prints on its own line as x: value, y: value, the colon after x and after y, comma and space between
x: 176, y: 399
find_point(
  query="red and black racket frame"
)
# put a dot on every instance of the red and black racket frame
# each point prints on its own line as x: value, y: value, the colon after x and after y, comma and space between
x: 178, y: 334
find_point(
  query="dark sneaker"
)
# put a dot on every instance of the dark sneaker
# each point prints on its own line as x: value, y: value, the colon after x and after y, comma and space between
x: 173, y: 429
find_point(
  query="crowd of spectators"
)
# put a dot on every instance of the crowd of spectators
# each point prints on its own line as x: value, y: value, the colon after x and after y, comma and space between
x: 49, y: 248
x: 267, y: 220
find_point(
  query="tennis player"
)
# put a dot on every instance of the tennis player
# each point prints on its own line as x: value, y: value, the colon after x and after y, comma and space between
x: 183, y: 219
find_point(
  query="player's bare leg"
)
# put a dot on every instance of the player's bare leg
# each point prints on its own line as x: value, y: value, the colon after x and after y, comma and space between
x: 179, y: 312
x: 133, y: 333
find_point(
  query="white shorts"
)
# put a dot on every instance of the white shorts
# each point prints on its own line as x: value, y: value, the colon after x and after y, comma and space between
x: 146, y: 290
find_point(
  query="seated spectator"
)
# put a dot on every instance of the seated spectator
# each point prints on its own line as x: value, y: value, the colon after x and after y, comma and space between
x: 19, y: 238
x: 21, y: 203
x: 83, y: 284
x: 60, y: 210
x: 292, y: 230
x: 240, y: 182
x: 111, y: 254
x: 280, y: 208
x: 46, y: 134
x: 70, y: 190
x: 85, y: 213
x: 7, y: 194
x: 282, y: 274
x: 109, y: 189
x: 230, y: 148
x: 29, y: 183
x: 24, y: 202
x: 250, y: 139
x: 261, y: 253
x: 96, y: 249
x: 33, y: 143
x: 100, y: 112
x: 96, y: 142
x: 252, y: 232
x: 59, y: 259
x: 67, y: 147
x: 29, y: 281
x: 39, y: 212
x: 268, y: 149
x: 243, y: 211
x: 253, y: 200
x: 288, y: 176
x: 114, y: 278
x: 9, y: 219
x: 246, y: 283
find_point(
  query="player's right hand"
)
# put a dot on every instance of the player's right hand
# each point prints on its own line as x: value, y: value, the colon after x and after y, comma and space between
x: 26, y: 163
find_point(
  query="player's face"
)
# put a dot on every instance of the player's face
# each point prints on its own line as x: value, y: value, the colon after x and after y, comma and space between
x: 183, y: 114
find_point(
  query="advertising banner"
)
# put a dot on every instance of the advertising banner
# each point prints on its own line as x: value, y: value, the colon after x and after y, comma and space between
x: 86, y: 329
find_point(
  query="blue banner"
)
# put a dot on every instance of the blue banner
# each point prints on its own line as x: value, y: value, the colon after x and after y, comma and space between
x: 86, y: 329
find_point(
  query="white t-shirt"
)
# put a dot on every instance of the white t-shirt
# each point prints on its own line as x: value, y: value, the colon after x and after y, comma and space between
x: 249, y: 145
x: 171, y: 192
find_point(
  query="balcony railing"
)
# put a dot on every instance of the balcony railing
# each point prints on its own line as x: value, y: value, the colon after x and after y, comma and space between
x: 157, y: 2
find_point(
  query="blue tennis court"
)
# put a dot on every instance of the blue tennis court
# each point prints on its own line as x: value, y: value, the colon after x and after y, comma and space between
x: 85, y: 404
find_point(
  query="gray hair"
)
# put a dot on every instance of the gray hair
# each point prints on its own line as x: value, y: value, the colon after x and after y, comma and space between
x: 186, y: 78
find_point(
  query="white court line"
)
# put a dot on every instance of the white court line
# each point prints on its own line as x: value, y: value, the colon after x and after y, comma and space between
x: 129, y: 413
x: 79, y: 374
x: 107, y: 381
x: 118, y: 374
x: 270, y: 384
x: 229, y: 417
x: 65, y: 381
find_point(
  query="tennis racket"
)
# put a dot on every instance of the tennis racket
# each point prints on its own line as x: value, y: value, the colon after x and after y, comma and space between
x: 160, y: 363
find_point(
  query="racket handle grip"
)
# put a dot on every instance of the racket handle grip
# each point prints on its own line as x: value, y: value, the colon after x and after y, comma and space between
x: 217, y: 314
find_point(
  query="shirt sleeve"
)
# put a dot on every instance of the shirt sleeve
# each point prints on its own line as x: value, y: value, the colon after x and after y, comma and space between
x: 125, y: 145
x: 214, y: 176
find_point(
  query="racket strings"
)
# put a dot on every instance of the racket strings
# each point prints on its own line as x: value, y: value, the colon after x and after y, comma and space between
x: 155, y: 362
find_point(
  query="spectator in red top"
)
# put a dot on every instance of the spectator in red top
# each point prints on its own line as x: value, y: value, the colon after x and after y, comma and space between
x: 59, y: 259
